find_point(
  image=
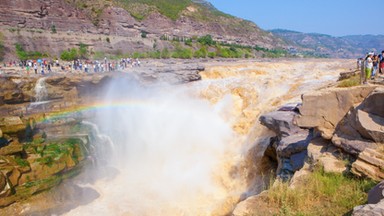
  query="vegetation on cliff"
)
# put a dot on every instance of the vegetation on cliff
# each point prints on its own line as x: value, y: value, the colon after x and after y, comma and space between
x: 337, y: 193
x: 350, y: 82
x: 32, y: 161
x: 141, y: 8
x: 24, y: 55
x: 188, y: 48
x: 2, y: 48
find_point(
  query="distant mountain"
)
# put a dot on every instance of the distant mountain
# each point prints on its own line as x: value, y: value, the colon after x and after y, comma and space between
x: 353, y: 46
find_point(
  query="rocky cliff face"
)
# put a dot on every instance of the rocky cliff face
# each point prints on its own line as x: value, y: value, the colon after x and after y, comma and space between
x: 30, y: 23
x: 350, y: 122
x: 353, y: 120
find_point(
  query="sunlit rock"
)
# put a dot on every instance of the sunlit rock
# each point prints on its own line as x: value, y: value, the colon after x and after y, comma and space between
x: 325, y: 109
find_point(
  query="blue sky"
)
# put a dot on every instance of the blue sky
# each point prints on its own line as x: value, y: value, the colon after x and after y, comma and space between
x: 333, y: 17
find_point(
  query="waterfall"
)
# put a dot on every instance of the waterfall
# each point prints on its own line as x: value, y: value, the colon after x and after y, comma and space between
x: 173, y: 153
x: 183, y: 150
x: 101, y: 144
x: 41, y: 92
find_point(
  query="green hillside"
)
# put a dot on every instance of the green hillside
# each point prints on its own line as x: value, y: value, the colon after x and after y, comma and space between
x: 140, y: 9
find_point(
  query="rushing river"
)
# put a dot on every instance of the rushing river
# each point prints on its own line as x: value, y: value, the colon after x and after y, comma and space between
x: 183, y: 150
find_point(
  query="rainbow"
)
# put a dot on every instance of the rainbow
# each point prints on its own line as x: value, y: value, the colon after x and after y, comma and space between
x: 68, y: 111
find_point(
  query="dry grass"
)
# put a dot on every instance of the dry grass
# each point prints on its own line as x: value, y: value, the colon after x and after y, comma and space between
x: 320, y: 194
x: 352, y: 81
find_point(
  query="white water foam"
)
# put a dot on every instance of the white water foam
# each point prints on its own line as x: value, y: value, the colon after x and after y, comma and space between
x: 171, y: 151
x: 41, y: 93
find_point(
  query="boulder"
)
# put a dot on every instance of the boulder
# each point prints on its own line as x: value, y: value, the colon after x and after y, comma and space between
x: 324, y: 109
x: 323, y: 152
x: 12, y: 124
x: 290, y: 142
x: 374, y: 104
x: 316, y: 148
x: 352, y: 145
x: 370, y: 163
x: 5, y: 188
x: 41, y: 171
x: 361, y: 129
x: 14, y: 177
x: 10, y: 93
x: 300, y: 177
x: 369, y: 209
x: 13, y: 148
x: 3, y: 181
x: 370, y: 126
x: 281, y: 122
x: 376, y: 194
x: 332, y: 164
x: 294, y: 143
x: 254, y: 205
x: 287, y: 166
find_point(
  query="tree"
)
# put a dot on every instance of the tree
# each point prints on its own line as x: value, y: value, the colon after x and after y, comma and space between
x: 144, y: 34
x: 83, y: 50
x: 20, y: 52
x: 53, y: 29
x: 69, y: 55
x: 206, y: 40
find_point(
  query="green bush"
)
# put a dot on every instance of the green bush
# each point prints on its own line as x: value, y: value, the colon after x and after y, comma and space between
x: 108, y: 40
x: 2, y: 51
x: 2, y: 47
x: 144, y: 34
x: 98, y: 55
x: 231, y: 52
x: 247, y: 55
x: 201, y: 53
x: 53, y: 29
x: 206, y: 40
x: 83, y: 50
x: 139, y: 55
x: 164, y: 37
x: 70, y: 55
x: 183, y: 53
x: 188, y: 42
x: 211, y: 54
x: 25, y: 55
x: 20, y: 52
x: 155, y: 55
x: 21, y: 162
x: 165, y: 54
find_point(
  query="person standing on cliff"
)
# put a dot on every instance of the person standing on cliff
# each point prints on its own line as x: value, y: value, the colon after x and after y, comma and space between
x: 381, y: 66
x: 35, y: 68
x: 49, y: 68
x: 375, y: 62
x: 27, y: 67
x: 368, y: 67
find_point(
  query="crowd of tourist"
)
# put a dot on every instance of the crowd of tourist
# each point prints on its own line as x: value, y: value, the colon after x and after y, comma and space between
x: 373, y: 65
x: 47, y: 66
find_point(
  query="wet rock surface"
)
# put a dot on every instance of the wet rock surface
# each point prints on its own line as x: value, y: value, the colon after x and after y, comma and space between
x: 290, y: 142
